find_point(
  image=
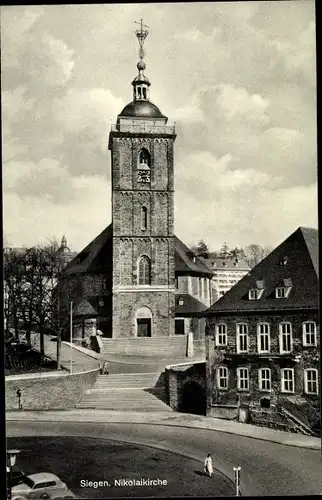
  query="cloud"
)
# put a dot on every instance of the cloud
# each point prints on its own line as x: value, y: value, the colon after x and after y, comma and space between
x: 45, y: 179
x: 238, y: 78
x: 258, y: 215
x: 86, y: 215
x: 33, y: 55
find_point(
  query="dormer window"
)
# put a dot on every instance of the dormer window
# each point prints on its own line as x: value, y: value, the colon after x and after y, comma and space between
x: 180, y: 301
x: 280, y: 292
x: 255, y: 294
x: 283, y: 291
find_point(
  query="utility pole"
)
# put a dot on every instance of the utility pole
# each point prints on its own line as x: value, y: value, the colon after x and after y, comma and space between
x: 71, y: 338
x: 237, y: 479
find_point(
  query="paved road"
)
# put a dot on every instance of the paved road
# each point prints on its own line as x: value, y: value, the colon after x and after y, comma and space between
x: 267, y: 468
x: 80, y: 460
x: 80, y: 361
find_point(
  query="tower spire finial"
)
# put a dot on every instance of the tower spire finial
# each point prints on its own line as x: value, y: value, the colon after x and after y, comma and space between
x: 141, y: 83
x: 141, y: 34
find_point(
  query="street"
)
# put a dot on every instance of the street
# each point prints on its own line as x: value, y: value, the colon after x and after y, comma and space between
x: 267, y: 468
x: 82, y: 463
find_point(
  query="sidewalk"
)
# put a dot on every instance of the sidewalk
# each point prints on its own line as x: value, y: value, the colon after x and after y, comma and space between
x: 81, y: 362
x: 171, y: 419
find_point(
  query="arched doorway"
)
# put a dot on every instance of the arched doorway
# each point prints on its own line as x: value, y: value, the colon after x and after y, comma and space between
x: 193, y: 399
x: 143, y: 322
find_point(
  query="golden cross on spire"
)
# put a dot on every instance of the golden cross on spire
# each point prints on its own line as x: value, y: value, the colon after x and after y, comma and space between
x: 141, y: 36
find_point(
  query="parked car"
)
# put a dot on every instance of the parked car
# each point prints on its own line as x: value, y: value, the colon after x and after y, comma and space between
x: 15, y: 477
x: 43, y: 485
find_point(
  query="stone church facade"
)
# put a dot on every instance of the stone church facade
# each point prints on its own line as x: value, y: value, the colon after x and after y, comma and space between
x: 139, y: 277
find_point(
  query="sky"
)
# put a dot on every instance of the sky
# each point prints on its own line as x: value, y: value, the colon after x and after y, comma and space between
x: 238, y: 79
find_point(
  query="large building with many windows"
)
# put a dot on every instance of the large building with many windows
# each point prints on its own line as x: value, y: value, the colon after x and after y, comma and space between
x: 226, y: 273
x: 263, y: 340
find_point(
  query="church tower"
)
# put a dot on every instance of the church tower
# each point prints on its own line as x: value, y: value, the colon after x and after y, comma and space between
x: 141, y: 145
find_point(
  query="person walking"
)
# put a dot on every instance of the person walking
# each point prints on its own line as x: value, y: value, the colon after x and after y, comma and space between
x: 208, y: 466
x: 105, y: 368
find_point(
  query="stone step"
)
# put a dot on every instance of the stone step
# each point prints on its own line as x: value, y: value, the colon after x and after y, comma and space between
x: 125, y: 400
x: 155, y: 346
x: 129, y: 380
x: 124, y: 394
x: 125, y: 408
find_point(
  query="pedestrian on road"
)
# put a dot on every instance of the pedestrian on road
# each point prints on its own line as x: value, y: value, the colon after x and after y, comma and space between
x: 105, y: 368
x: 208, y: 466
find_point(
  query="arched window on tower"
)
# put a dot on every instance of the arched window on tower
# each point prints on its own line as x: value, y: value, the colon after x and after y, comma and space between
x: 144, y: 271
x: 144, y: 158
x: 144, y: 218
x: 144, y: 163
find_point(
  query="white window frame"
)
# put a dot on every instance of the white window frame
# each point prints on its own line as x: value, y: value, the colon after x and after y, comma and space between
x: 241, y: 334
x: 282, y: 295
x: 280, y: 292
x: 218, y: 334
x: 240, y: 378
x: 262, y: 379
x: 220, y: 377
x: 306, y: 381
x: 281, y: 334
x: 259, y: 335
x: 253, y: 294
x: 304, y: 333
x: 283, y: 380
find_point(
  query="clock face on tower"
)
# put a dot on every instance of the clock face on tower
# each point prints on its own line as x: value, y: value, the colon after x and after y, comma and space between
x: 144, y: 176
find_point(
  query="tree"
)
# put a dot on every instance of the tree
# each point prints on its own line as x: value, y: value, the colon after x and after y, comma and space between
x: 224, y: 251
x: 201, y: 249
x: 32, y: 300
x: 253, y: 254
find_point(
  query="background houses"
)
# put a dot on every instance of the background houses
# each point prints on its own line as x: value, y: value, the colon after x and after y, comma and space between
x: 227, y: 271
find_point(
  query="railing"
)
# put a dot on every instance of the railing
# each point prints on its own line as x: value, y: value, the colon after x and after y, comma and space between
x: 143, y: 128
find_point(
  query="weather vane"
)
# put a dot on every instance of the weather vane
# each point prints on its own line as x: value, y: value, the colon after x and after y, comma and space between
x: 141, y: 34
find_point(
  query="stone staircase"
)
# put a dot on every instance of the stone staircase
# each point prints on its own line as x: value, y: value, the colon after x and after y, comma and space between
x: 161, y: 347
x: 127, y: 391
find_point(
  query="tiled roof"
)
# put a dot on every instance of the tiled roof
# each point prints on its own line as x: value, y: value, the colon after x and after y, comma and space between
x: 190, y: 304
x: 187, y: 262
x: 98, y: 256
x: 219, y: 263
x: 299, y: 252
x: 311, y: 237
x: 83, y: 308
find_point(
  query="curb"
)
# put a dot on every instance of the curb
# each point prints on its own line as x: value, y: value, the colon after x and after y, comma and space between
x: 168, y: 424
x: 229, y: 478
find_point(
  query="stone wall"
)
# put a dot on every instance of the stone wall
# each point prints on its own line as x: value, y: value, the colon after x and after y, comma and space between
x: 273, y: 319
x: 228, y: 356
x: 126, y: 304
x: 48, y: 392
x: 225, y: 412
x: 177, y: 376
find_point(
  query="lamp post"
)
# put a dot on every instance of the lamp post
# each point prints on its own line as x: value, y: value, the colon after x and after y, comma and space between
x: 237, y: 479
x: 19, y: 399
x: 71, y: 338
x: 11, y: 460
